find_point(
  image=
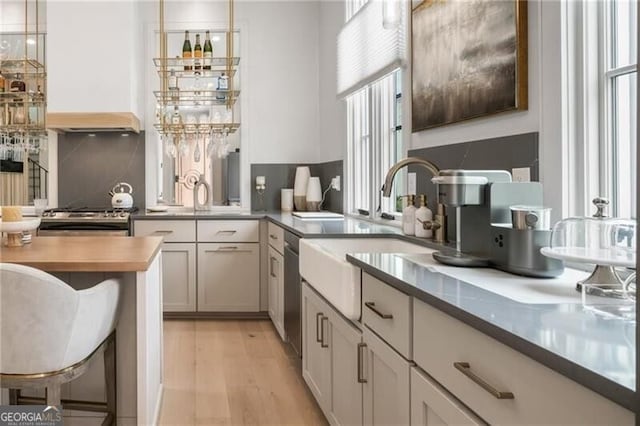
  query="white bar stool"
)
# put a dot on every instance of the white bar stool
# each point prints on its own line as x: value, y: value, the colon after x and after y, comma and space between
x: 50, y: 334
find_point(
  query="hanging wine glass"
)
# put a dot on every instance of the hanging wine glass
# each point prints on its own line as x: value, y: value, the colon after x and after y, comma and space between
x: 196, y: 149
x: 183, y: 146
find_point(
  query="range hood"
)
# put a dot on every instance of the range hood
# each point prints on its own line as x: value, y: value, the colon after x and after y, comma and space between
x: 93, y: 122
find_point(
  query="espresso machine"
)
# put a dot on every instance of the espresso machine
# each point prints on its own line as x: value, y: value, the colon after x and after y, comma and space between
x: 486, y: 234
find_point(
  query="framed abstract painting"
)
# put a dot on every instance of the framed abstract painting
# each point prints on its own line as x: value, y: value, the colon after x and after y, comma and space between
x: 469, y: 59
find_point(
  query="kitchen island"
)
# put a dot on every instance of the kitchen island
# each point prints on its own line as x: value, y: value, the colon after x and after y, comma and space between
x: 85, y: 261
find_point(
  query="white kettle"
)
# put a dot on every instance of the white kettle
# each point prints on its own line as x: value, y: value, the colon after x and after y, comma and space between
x: 121, y: 197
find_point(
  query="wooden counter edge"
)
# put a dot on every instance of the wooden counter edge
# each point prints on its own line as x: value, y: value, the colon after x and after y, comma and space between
x: 95, y: 266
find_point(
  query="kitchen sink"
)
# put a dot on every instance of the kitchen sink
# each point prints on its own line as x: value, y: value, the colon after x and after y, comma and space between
x: 324, y: 266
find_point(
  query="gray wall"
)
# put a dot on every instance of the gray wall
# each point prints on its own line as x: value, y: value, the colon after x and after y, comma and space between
x: 89, y: 166
x: 280, y: 176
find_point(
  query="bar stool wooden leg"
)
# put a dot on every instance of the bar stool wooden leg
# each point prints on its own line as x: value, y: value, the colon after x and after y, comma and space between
x: 53, y: 395
x: 13, y: 396
x: 110, y: 380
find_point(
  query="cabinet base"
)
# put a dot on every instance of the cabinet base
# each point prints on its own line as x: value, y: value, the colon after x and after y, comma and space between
x: 216, y: 315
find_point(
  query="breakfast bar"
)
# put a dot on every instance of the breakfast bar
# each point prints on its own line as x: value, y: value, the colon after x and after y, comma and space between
x: 137, y: 262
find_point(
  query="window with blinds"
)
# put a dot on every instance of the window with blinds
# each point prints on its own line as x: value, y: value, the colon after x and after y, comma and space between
x: 371, y: 44
x: 374, y: 145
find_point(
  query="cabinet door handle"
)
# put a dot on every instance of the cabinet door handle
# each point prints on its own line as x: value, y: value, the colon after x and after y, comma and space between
x: 161, y: 232
x: 361, y: 378
x: 228, y: 249
x: 230, y: 231
x: 322, y: 335
x: 318, y: 339
x: 376, y: 311
x: 273, y: 237
x: 271, y: 268
x: 465, y: 369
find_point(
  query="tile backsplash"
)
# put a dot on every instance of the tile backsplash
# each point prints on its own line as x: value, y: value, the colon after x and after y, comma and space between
x: 280, y: 176
x: 89, y: 166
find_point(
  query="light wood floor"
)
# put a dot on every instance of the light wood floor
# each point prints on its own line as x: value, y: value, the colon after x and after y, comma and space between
x: 233, y: 373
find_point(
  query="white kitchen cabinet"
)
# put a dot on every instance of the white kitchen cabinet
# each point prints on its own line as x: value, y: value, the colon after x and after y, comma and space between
x: 179, y: 277
x: 276, y: 290
x: 332, y: 360
x: 347, y: 375
x: 432, y: 405
x: 316, y: 357
x: 179, y: 287
x: 501, y: 385
x: 386, y: 391
x: 228, y: 277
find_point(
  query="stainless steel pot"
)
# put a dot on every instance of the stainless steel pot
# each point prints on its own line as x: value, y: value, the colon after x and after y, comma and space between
x: 531, y: 217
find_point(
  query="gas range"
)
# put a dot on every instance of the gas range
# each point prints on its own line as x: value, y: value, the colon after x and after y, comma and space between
x: 85, y: 214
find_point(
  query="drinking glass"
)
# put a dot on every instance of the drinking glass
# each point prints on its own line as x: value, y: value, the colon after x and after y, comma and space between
x: 40, y: 205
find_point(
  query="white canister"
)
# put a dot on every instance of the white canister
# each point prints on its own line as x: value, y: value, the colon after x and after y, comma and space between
x: 300, y: 187
x: 314, y: 194
x: 286, y: 200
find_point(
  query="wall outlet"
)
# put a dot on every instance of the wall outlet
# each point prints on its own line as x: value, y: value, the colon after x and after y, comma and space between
x: 335, y: 183
x: 411, y: 184
x: 521, y: 174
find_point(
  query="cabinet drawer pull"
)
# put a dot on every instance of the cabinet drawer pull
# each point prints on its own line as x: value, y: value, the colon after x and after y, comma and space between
x: 273, y: 237
x: 318, y: 339
x: 322, y: 335
x: 271, y: 268
x: 230, y: 231
x: 228, y: 249
x: 361, y: 378
x: 465, y: 369
x: 162, y: 232
x: 375, y: 310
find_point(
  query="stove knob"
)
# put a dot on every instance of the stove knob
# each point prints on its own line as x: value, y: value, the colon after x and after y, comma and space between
x: 52, y: 214
x: 123, y: 214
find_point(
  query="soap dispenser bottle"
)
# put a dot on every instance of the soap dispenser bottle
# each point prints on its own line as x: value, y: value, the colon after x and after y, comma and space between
x: 409, y: 216
x: 423, y: 214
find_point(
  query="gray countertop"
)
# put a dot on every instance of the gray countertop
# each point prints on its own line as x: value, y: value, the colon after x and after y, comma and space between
x: 304, y: 228
x: 596, y: 351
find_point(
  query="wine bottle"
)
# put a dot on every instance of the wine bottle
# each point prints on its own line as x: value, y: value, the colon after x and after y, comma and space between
x: 173, y: 86
x: 223, y: 85
x: 186, y: 51
x: 176, y: 118
x: 197, y: 54
x: 208, y: 51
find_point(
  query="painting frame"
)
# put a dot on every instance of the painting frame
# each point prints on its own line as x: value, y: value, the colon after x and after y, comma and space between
x: 521, y: 64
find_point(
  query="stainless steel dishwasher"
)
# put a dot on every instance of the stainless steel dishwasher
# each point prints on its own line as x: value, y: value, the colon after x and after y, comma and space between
x: 292, y: 293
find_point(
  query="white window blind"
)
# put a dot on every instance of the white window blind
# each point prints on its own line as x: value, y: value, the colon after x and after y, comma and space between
x: 366, y: 50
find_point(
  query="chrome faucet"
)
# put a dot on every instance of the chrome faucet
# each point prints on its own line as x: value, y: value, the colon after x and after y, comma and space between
x: 438, y: 224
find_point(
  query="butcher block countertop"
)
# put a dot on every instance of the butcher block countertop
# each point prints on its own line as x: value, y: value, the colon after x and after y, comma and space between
x: 85, y: 254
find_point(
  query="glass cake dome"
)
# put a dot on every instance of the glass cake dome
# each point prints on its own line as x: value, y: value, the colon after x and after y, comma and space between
x: 600, y: 240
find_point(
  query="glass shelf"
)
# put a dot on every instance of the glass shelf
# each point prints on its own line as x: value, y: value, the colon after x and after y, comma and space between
x: 178, y: 64
x: 202, y: 128
x: 197, y: 97
x: 21, y: 66
x: 20, y: 98
x: 203, y: 74
x: 24, y: 129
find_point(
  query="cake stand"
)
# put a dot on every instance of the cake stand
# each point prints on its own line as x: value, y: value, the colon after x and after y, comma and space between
x: 14, y: 230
